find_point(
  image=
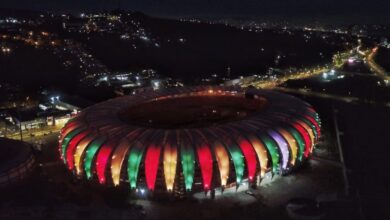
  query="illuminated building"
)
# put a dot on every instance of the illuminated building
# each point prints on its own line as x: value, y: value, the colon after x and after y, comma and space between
x: 195, y: 138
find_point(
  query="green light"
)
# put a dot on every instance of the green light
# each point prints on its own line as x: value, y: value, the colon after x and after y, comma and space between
x: 238, y: 160
x: 187, y: 160
x: 272, y: 148
x: 66, y: 141
x: 133, y: 163
x: 313, y: 127
x: 90, y: 153
x: 301, y: 144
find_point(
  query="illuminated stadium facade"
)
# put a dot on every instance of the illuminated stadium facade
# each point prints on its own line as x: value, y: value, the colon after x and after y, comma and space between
x: 190, y: 139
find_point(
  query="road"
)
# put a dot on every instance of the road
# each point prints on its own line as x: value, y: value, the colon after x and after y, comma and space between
x: 34, y: 134
x: 272, y: 83
x: 265, y: 201
x: 366, y: 55
x: 347, y: 99
x: 268, y: 84
x: 374, y: 66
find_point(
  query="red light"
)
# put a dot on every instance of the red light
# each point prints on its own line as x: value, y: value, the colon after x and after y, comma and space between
x: 72, y: 147
x: 311, y: 109
x: 206, y: 165
x: 314, y: 122
x: 151, y: 165
x: 68, y: 125
x: 101, y: 161
x: 250, y: 156
x: 68, y: 128
x: 306, y: 138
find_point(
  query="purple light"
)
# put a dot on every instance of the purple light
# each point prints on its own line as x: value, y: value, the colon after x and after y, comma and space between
x: 283, y: 146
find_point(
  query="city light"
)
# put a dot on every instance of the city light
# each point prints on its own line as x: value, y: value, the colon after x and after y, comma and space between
x: 200, y: 111
x: 6, y: 50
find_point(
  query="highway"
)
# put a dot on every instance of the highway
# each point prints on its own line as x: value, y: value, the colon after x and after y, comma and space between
x: 34, y: 134
x: 268, y: 84
x: 366, y: 55
x: 347, y: 99
x: 369, y: 55
x: 272, y: 83
x: 374, y: 66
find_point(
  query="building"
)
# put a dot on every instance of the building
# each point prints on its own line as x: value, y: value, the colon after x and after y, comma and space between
x: 190, y: 139
x: 35, y: 118
x: 55, y: 112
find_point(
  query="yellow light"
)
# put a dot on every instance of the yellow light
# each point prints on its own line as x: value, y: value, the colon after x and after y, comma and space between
x: 170, y: 157
x: 79, y: 152
x: 223, y: 162
x: 311, y: 133
x: 261, y: 154
x: 292, y: 144
x: 117, y: 160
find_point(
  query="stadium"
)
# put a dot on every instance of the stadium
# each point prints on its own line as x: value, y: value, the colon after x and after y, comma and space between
x: 190, y: 139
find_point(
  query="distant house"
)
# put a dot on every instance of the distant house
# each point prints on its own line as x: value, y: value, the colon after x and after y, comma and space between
x: 74, y: 25
x: 36, y: 117
x: 73, y: 103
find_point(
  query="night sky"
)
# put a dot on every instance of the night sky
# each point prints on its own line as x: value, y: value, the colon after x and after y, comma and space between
x: 363, y: 9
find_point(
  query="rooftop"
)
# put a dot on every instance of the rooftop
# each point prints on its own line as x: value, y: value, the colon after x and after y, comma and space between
x: 192, y: 111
